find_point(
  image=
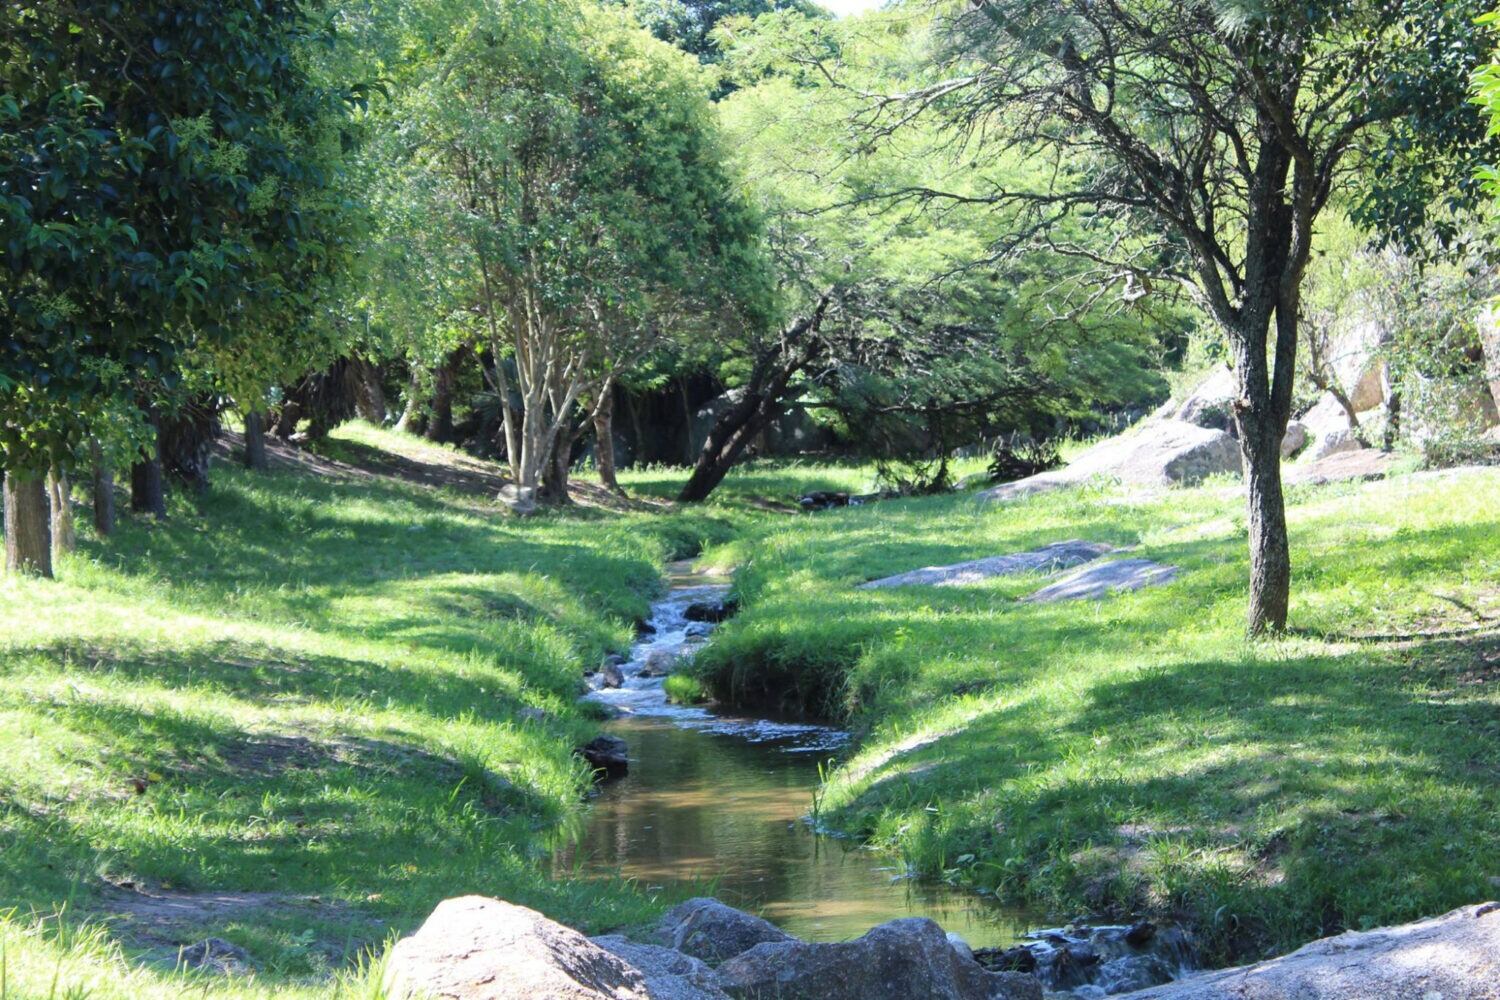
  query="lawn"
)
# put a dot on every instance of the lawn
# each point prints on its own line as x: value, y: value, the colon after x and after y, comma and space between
x: 336, y: 692
x: 1138, y: 755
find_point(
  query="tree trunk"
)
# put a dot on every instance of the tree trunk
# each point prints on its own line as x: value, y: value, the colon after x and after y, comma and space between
x: 104, y: 495
x: 287, y: 419
x: 604, y: 442
x: 1270, y: 551
x: 185, y: 442
x: 255, y: 441
x: 28, y: 529
x: 445, y: 379
x: 557, y: 470
x: 370, y: 399
x: 60, y: 495
x: 411, y: 411
x: 147, y: 489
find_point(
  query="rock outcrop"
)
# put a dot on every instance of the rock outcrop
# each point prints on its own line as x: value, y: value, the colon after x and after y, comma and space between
x: 1452, y: 957
x: 1048, y: 558
x: 1097, y: 581
x: 707, y: 929
x: 1158, y: 453
x: 472, y: 948
x: 900, y: 960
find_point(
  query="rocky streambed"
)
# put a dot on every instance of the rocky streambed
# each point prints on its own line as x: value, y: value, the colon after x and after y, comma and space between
x: 693, y: 796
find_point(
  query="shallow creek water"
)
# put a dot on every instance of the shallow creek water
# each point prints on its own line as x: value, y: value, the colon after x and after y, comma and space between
x: 717, y: 804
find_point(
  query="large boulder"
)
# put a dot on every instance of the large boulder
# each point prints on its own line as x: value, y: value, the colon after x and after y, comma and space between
x: 473, y: 948
x: 669, y: 974
x: 1177, y: 453
x: 1334, y: 443
x: 900, y: 960
x: 709, y: 930
x: 1211, y: 404
x: 1452, y: 957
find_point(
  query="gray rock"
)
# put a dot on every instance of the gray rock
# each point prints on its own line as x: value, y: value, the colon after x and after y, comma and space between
x: 1104, y: 579
x: 1182, y: 454
x: 1295, y: 439
x: 609, y: 754
x: 1335, y: 442
x: 712, y: 612
x: 1360, y: 464
x: 473, y: 948
x: 698, y: 630
x: 1452, y: 957
x: 709, y: 930
x: 1057, y: 556
x: 519, y: 500
x: 900, y: 960
x: 659, y: 663
x: 1158, y: 453
x: 1211, y: 404
x: 215, y: 955
x: 669, y: 974
x: 610, y: 676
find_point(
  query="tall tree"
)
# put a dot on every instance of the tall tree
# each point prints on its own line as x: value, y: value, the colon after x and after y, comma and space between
x: 1224, y: 128
x: 156, y: 191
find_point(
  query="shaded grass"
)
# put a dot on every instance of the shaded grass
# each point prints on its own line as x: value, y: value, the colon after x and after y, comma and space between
x: 349, y: 691
x: 1138, y: 754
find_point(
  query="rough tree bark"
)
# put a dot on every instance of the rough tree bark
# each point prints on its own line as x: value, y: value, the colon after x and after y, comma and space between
x: 104, y: 495
x: 185, y: 442
x: 28, y: 529
x: 60, y: 497
x: 604, y: 442
x: 255, y: 441
x: 370, y: 400
x: 444, y: 382
x: 764, y: 396
x: 410, y: 421
x: 147, y: 486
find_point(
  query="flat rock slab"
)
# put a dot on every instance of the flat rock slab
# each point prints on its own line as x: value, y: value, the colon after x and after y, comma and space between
x: 1048, y: 558
x: 1104, y: 579
x: 1452, y: 957
x: 1359, y: 464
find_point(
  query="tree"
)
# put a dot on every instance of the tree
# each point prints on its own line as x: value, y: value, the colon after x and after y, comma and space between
x: 1223, y: 128
x: 576, y: 162
x: 896, y: 314
x: 690, y: 24
x: 156, y: 195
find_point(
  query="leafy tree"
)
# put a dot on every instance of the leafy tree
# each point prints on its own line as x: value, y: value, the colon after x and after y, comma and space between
x: 575, y: 160
x: 690, y: 24
x: 1224, y: 129
x: 153, y: 198
x: 901, y: 318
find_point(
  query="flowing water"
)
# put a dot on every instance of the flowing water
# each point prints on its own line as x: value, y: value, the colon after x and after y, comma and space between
x: 717, y: 804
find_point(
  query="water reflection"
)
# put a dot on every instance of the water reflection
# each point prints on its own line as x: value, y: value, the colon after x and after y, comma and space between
x: 715, y: 804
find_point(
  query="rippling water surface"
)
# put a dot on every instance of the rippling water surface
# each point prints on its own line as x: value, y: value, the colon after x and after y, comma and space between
x: 717, y: 804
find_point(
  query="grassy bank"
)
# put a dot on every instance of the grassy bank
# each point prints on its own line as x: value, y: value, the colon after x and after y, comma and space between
x: 299, y: 713
x: 1138, y: 754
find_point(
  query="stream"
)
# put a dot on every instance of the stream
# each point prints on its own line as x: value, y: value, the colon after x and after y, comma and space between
x: 718, y: 804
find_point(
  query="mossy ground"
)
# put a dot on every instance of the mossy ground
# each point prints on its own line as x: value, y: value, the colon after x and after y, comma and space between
x: 1138, y: 754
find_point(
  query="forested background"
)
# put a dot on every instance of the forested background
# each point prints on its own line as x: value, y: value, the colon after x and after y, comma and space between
x: 567, y: 235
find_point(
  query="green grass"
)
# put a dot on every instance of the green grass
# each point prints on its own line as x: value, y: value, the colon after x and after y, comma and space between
x: 349, y: 691
x: 1138, y: 754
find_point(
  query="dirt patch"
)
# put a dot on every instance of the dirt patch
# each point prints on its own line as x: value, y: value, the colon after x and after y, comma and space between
x: 461, y: 473
x: 165, y: 925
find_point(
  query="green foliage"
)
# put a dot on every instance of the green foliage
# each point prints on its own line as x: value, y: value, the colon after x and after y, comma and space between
x: 318, y: 685
x: 163, y: 179
x: 1136, y: 754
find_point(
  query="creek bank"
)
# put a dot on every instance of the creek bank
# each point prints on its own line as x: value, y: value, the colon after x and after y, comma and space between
x: 473, y: 948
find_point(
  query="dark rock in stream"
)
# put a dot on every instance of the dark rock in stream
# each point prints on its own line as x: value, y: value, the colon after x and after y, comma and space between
x: 608, y: 754
x: 712, y: 612
x: 709, y: 930
x: 1086, y: 962
x: 900, y: 960
x: 659, y: 663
